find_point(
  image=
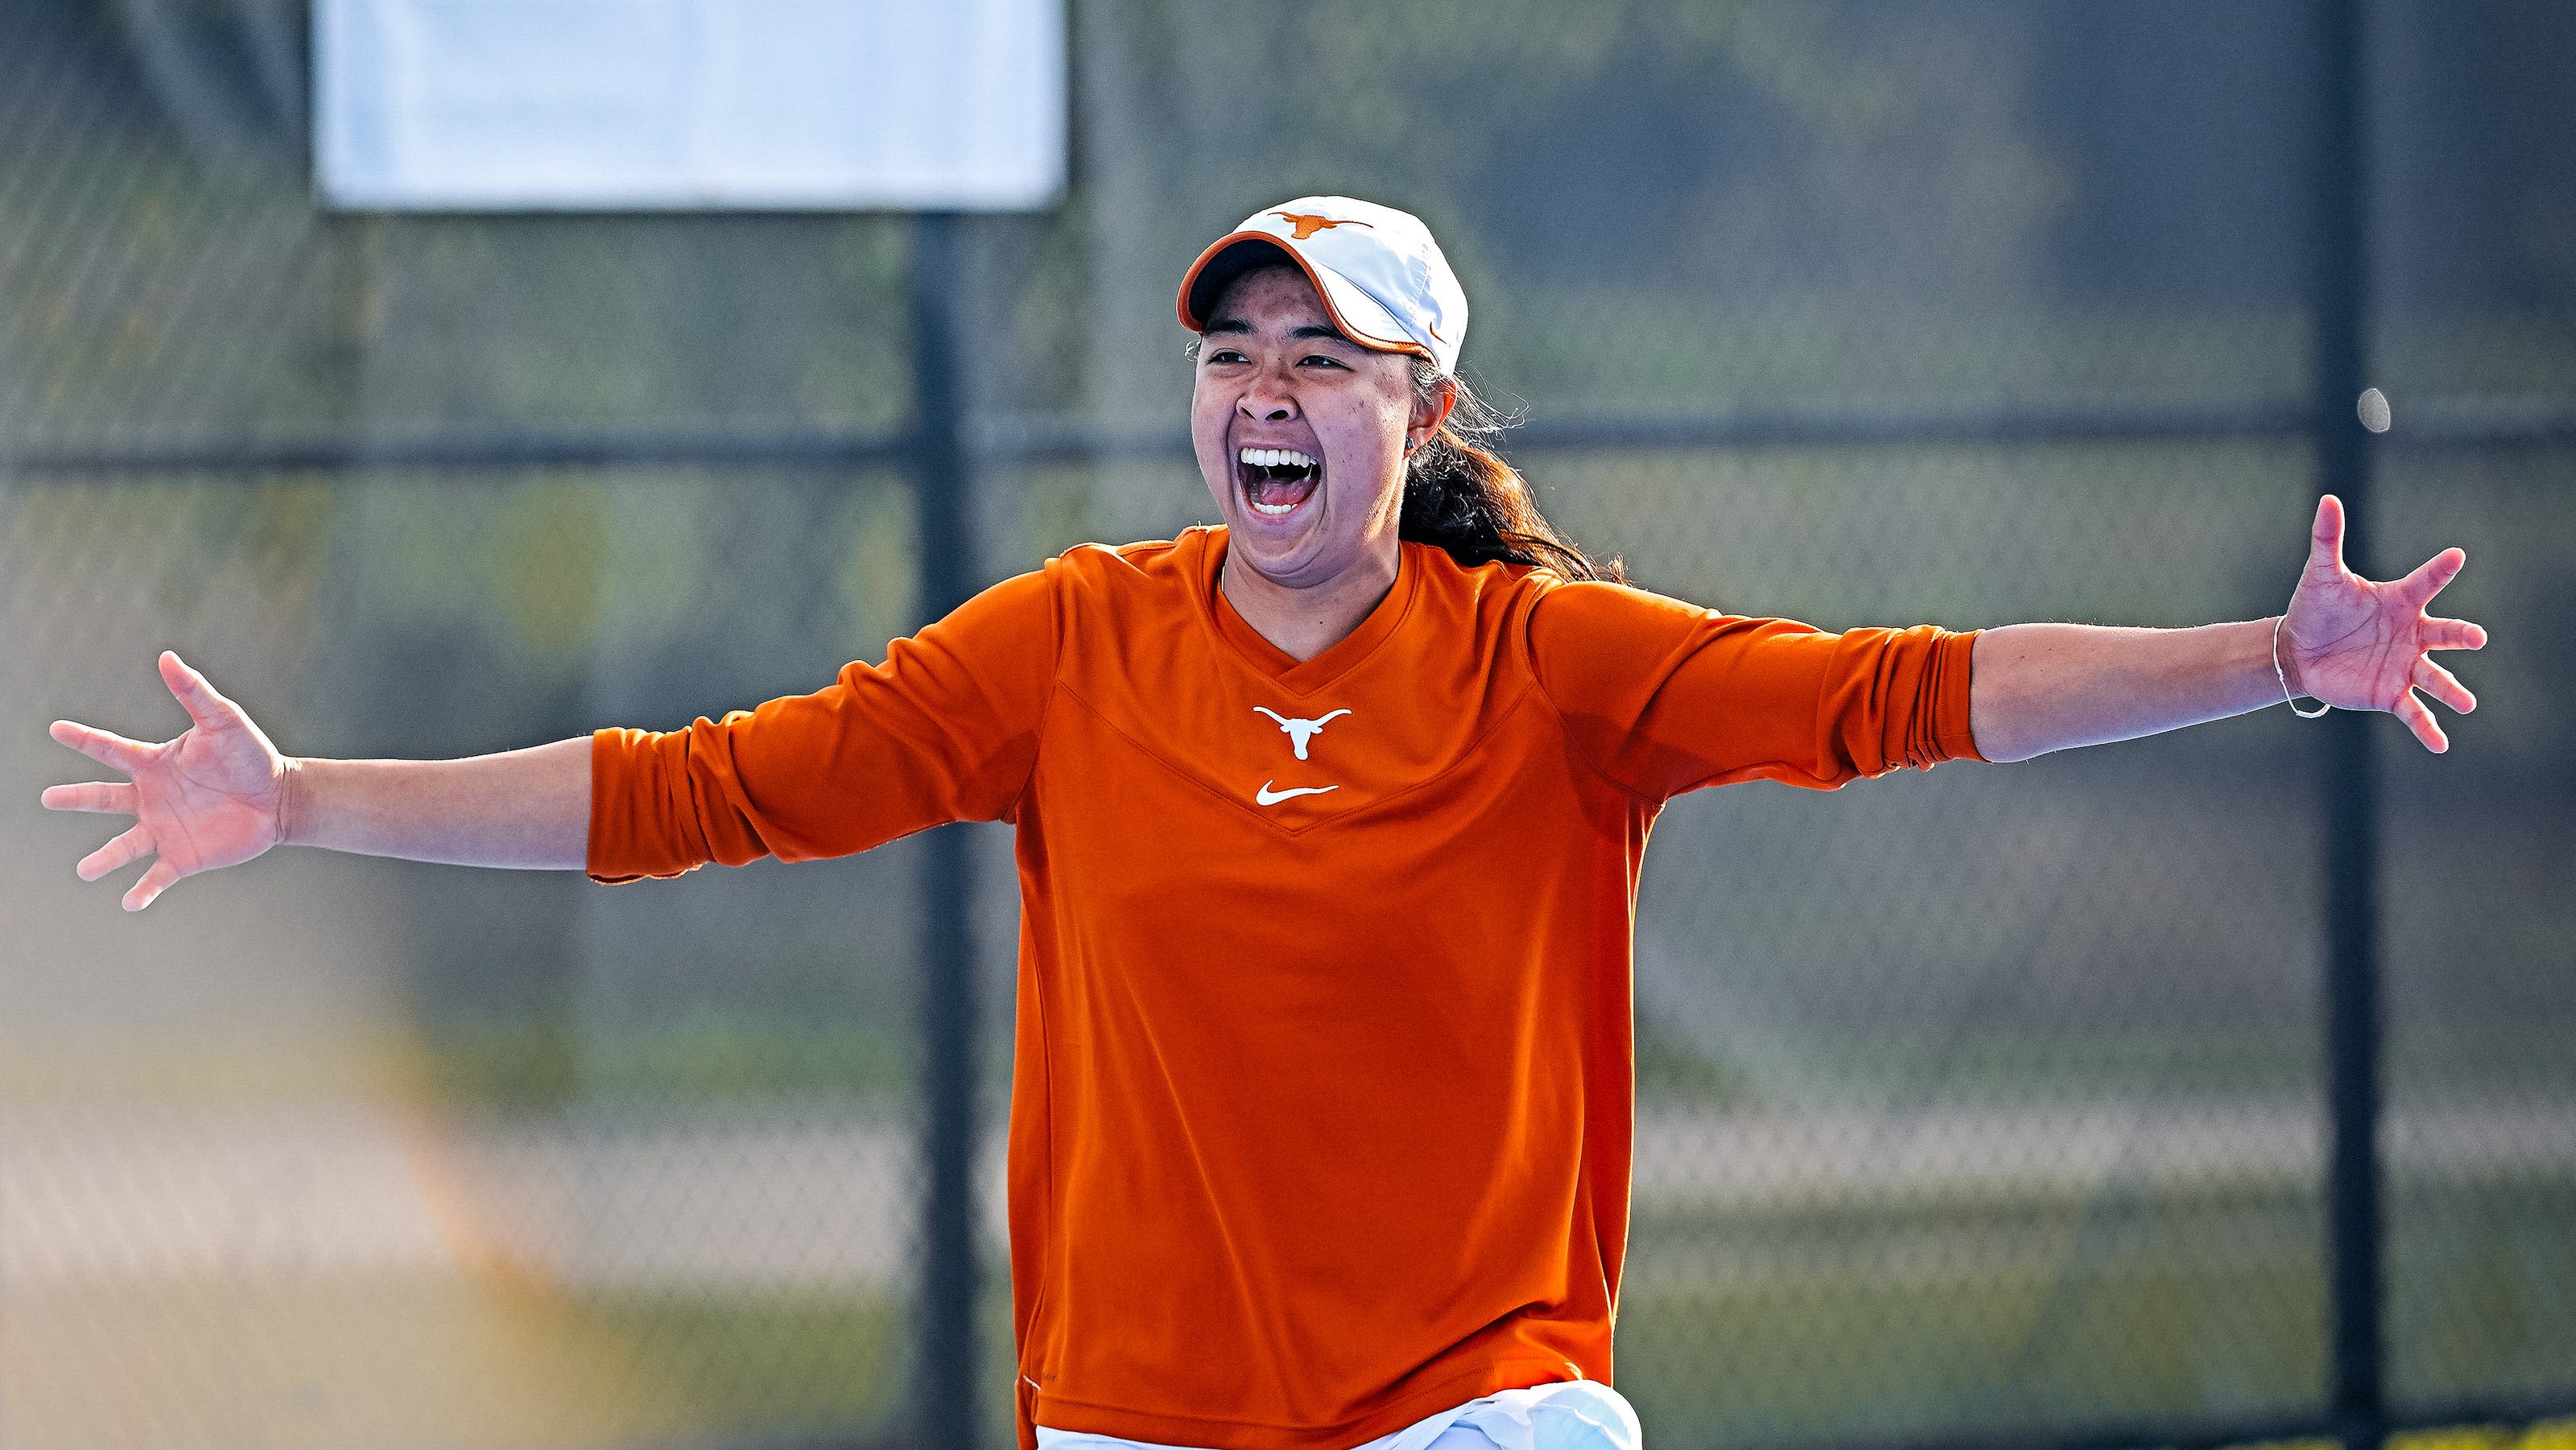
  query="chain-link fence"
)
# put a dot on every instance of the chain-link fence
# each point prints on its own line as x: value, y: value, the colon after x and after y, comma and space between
x: 1992, y: 1105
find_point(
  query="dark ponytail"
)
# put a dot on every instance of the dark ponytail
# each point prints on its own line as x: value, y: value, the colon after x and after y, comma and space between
x: 1461, y: 495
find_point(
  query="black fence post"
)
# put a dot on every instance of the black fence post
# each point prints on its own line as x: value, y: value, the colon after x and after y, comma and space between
x: 2348, y: 777
x: 945, y: 1384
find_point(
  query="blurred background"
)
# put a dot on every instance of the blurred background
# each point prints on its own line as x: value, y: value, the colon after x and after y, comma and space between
x: 1989, y: 1106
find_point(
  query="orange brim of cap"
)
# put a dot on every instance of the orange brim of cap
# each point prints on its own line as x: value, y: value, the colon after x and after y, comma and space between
x: 1326, y: 283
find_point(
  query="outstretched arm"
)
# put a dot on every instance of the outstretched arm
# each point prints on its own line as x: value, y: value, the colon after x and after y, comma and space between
x: 2347, y: 641
x: 220, y: 794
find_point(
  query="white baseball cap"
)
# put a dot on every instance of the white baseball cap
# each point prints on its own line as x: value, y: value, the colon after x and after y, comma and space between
x: 1381, y: 276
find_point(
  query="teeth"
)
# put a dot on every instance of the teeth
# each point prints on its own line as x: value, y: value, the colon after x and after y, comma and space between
x: 1275, y: 458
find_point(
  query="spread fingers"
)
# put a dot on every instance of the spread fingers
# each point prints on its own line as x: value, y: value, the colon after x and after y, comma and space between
x: 2419, y: 718
x: 105, y: 747
x: 154, y: 882
x: 2453, y: 634
x: 126, y: 849
x: 2325, y: 537
x: 2442, y: 685
x: 196, y: 694
x: 105, y: 797
x: 2432, y: 576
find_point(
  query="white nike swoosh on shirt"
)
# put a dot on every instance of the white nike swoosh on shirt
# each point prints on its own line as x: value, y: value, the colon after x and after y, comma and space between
x: 1268, y: 797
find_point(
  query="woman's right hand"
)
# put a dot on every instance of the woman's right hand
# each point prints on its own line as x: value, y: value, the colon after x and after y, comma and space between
x: 215, y: 796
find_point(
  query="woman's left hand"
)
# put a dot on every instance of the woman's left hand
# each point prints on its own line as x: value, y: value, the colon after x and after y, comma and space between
x: 2357, y: 645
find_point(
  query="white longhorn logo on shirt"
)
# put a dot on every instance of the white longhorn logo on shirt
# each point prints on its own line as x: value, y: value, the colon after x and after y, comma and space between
x: 1300, y: 731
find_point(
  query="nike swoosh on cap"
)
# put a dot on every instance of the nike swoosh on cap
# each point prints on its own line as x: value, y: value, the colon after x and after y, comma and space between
x: 1268, y: 797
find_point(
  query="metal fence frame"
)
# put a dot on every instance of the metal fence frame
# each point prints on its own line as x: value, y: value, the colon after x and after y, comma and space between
x: 942, y: 452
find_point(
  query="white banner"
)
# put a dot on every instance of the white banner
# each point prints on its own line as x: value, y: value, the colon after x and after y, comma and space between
x: 604, y: 105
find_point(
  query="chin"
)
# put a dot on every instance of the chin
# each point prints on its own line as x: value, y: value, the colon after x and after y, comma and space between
x: 1294, y: 562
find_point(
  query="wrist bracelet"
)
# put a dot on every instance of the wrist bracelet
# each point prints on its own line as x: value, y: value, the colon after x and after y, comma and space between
x: 2291, y: 700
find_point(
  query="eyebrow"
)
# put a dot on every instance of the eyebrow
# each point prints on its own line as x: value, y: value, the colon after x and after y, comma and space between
x: 1236, y: 324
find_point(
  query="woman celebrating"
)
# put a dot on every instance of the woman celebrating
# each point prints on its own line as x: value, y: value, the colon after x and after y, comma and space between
x: 1329, y: 827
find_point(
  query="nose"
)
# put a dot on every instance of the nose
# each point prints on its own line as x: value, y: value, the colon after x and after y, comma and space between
x: 1268, y: 400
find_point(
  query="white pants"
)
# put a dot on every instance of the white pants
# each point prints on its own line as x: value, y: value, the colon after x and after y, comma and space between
x: 1567, y: 1415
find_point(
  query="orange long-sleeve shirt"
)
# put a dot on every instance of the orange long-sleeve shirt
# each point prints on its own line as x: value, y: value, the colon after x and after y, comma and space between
x: 1320, y: 1118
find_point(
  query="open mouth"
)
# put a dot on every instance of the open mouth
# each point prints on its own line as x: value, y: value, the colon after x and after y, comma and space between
x: 1276, y: 480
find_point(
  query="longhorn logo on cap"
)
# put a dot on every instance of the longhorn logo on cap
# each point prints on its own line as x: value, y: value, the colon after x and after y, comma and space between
x: 1307, y: 226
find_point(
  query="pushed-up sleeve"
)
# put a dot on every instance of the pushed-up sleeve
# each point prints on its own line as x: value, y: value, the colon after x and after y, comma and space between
x: 1663, y: 697
x: 945, y: 730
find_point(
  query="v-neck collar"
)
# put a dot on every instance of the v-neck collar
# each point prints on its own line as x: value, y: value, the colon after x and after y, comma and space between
x: 1278, y: 666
